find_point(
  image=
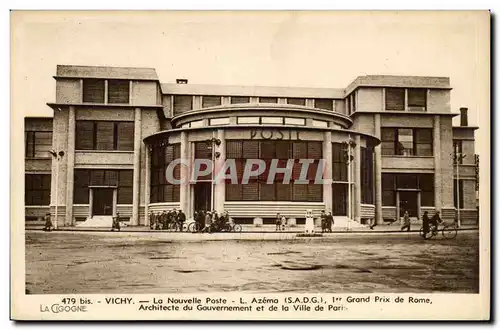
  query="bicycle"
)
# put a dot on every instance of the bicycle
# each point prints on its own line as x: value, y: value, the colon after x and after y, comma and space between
x: 449, y: 231
x: 233, y: 227
x: 195, y: 227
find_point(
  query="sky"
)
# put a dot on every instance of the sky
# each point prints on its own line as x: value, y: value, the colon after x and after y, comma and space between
x: 304, y: 49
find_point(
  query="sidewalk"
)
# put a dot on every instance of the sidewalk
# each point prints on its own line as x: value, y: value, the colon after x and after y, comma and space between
x: 254, y: 229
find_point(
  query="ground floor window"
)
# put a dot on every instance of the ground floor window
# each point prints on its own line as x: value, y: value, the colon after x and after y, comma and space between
x: 423, y: 182
x: 339, y: 199
x: 37, y: 189
x: 460, y: 197
x: 84, y: 179
x: 161, y: 189
x: 367, y: 175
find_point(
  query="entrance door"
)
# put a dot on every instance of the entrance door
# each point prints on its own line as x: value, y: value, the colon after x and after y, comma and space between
x: 102, y: 202
x: 408, y: 201
x: 202, y: 196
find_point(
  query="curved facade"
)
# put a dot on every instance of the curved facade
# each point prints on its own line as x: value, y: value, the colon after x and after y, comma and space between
x: 367, y: 152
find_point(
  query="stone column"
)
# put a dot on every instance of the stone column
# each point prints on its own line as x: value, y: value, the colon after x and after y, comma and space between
x: 437, y: 162
x: 378, y: 174
x: 184, y: 188
x: 357, y: 179
x: 137, y: 167
x: 70, y: 154
x: 147, y: 185
x: 327, y: 171
x: 220, y: 185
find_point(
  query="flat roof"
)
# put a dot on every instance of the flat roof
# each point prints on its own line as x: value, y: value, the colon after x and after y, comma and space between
x: 103, y: 72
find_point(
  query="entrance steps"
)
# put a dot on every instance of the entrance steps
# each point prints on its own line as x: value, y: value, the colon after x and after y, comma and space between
x: 97, y: 221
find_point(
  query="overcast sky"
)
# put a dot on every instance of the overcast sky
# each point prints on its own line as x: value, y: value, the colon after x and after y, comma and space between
x: 312, y: 49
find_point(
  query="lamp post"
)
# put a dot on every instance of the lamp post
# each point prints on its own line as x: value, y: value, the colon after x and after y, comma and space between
x: 458, y: 159
x: 349, y: 158
x: 213, y: 142
x: 58, y: 157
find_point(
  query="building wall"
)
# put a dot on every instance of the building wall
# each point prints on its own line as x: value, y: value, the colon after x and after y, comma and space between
x: 370, y: 99
x: 144, y: 93
x: 438, y: 100
x: 68, y: 91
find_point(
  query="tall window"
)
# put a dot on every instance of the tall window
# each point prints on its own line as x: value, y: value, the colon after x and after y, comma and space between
x: 240, y: 99
x: 407, y: 141
x: 417, y: 99
x: 325, y: 104
x: 395, y: 99
x: 161, y: 189
x: 83, y: 179
x: 457, y: 150
x: 257, y: 188
x: 367, y: 175
x: 182, y: 103
x: 104, y: 135
x: 461, y: 195
x: 211, y: 101
x: 339, y: 177
x: 37, y: 189
x: 118, y: 91
x: 296, y: 101
x: 94, y: 91
x: 418, y: 181
x: 38, y: 144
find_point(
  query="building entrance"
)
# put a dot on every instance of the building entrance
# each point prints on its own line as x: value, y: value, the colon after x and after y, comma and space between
x: 102, y: 202
x: 202, y: 196
x: 408, y: 201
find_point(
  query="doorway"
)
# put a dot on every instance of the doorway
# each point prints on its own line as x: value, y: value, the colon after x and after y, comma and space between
x: 102, y: 202
x: 408, y: 201
x: 202, y: 196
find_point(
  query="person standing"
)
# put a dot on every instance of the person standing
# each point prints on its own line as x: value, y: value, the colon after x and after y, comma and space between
x: 48, y: 222
x: 278, y: 222
x: 323, y: 221
x: 116, y: 222
x: 208, y: 222
x: 329, y: 221
x: 181, y: 217
x: 406, y: 221
x: 425, y: 223
x: 283, y: 222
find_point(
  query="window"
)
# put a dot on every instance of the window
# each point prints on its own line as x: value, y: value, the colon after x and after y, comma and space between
x: 182, y: 103
x: 417, y: 99
x: 161, y: 189
x: 339, y: 196
x: 461, y: 195
x: 407, y: 141
x: 118, y: 91
x: 325, y: 104
x: 104, y: 135
x: 83, y: 179
x: 339, y: 163
x: 239, y: 99
x: 353, y: 102
x: 296, y: 101
x: 268, y: 100
x: 457, y: 150
x: 366, y: 175
x: 38, y: 144
x: 93, y: 90
x: 37, y: 189
x: 395, y: 99
x: 257, y: 187
x: 211, y: 101
x: 418, y: 181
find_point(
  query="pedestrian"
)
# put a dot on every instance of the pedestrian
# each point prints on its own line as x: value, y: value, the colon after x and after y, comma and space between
x: 181, y: 217
x: 284, y: 222
x: 425, y: 223
x: 406, y: 221
x: 435, y: 220
x: 323, y: 221
x: 48, y: 222
x: 116, y: 222
x: 208, y: 222
x: 330, y: 221
x: 278, y: 222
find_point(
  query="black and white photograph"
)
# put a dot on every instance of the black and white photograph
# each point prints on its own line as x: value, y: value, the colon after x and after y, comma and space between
x: 270, y: 153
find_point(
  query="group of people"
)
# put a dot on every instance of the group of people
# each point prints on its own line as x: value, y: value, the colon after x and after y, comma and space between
x: 326, y: 221
x: 426, y: 221
x: 211, y: 221
x: 163, y: 220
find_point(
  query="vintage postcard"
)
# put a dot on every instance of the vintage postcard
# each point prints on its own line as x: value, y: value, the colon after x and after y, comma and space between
x: 250, y: 165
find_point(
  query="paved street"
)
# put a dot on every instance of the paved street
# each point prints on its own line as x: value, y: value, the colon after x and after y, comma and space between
x: 105, y: 262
